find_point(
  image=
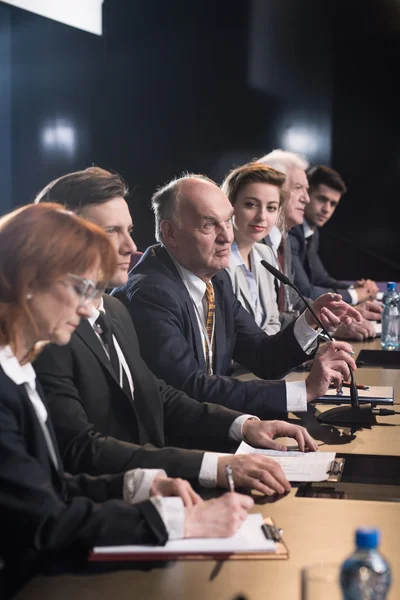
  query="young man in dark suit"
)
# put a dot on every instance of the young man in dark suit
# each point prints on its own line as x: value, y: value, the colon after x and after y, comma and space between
x: 326, y: 187
x: 190, y: 325
x: 112, y: 418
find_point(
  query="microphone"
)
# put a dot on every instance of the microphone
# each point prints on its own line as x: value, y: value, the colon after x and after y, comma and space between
x: 354, y: 414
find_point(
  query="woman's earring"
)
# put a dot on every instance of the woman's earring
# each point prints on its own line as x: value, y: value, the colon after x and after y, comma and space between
x: 29, y: 296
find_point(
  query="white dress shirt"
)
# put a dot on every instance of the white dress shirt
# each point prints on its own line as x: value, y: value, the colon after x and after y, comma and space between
x: 306, y: 336
x: 255, y: 287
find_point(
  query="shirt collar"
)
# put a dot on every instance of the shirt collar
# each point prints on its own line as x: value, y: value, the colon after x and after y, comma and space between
x: 236, y: 259
x: 194, y: 285
x: 18, y: 373
x: 275, y: 236
x: 96, y: 312
x: 308, y: 232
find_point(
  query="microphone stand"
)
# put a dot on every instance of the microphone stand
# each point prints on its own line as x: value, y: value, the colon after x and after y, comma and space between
x: 344, y: 415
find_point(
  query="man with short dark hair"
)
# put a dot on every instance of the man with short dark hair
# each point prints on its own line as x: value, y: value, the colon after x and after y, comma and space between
x: 326, y: 187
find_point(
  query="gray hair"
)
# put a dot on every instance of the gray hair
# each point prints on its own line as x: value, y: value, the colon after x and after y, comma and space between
x: 284, y: 161
x: 164, y: 201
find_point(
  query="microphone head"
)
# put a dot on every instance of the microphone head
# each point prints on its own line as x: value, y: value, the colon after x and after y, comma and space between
x: 276, y: 273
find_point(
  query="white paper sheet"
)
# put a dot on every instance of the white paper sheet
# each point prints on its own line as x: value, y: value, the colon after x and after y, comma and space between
x: 297, y: 466
x: 249, y: 538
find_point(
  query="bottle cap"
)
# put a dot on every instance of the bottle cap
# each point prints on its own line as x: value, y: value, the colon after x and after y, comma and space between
x: 367, y: 539
x: 391, y: 285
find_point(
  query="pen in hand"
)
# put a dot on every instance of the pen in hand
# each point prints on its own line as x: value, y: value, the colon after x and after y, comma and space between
x: 229, y: 478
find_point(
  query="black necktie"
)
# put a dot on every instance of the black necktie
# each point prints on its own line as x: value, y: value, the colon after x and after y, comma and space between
x: 103, y: 328
x: 308, y: 257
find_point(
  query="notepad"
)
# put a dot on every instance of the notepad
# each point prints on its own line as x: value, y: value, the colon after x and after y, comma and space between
x: 297, y: 466
x: 377, y: 394
x: 248, y: 539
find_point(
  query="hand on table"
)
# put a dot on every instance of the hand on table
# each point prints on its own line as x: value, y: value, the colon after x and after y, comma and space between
x: 370, y: 310
x: 262, y: 434
x: 253, y: 471
x: 364, y: 330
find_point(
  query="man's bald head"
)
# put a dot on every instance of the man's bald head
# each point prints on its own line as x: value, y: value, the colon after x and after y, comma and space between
x: 165, y: 200
x: 193, y: 221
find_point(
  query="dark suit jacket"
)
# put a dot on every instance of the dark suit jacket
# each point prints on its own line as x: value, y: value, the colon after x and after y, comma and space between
x: 171, y: 343
x: 42, y: 510
x: 99, y: 428
x: 310, y: 275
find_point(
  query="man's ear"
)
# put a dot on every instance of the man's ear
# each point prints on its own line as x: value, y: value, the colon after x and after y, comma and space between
x: 168, y: 230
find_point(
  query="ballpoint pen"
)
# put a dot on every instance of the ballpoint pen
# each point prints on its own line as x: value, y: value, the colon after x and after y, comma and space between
x: 229, y: 478
x: 346, y: 384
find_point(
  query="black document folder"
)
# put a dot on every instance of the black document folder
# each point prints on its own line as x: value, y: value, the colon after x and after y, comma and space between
x: 379, y: 358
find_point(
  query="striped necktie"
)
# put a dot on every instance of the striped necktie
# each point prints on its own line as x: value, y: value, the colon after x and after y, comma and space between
x: 281, y: 260
x: 210, y: 297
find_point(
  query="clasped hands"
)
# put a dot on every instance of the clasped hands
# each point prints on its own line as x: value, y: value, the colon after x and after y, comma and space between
x: 366, y: 289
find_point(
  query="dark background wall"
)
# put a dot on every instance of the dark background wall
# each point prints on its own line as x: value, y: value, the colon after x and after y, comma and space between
x: 5, y: 110
x: 366, y: 139
x: 204, y: 86
x: 48, y: 76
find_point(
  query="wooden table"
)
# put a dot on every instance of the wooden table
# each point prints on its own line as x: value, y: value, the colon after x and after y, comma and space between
x: 382, y: 439
x: 315, y: 530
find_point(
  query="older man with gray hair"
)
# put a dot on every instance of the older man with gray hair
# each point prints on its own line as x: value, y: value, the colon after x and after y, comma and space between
x: 294, y: 167
x: 190, y: 324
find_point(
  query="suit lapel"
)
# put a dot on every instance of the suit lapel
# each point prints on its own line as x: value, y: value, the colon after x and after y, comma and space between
x: 86, y: 333
x: 197, y: 335
x: 51, y: 430
x: 57, y: 472
x: 220, y: 332
x: 144, y: 417
x: 245, y: 293
x: 309, y: 250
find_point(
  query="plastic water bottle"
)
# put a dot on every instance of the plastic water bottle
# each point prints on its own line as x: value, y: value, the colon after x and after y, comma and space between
x: 390, y: 318
x: 365, y: 575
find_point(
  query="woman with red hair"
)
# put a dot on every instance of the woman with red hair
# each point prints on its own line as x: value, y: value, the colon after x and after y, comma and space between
x: 52, y: 264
